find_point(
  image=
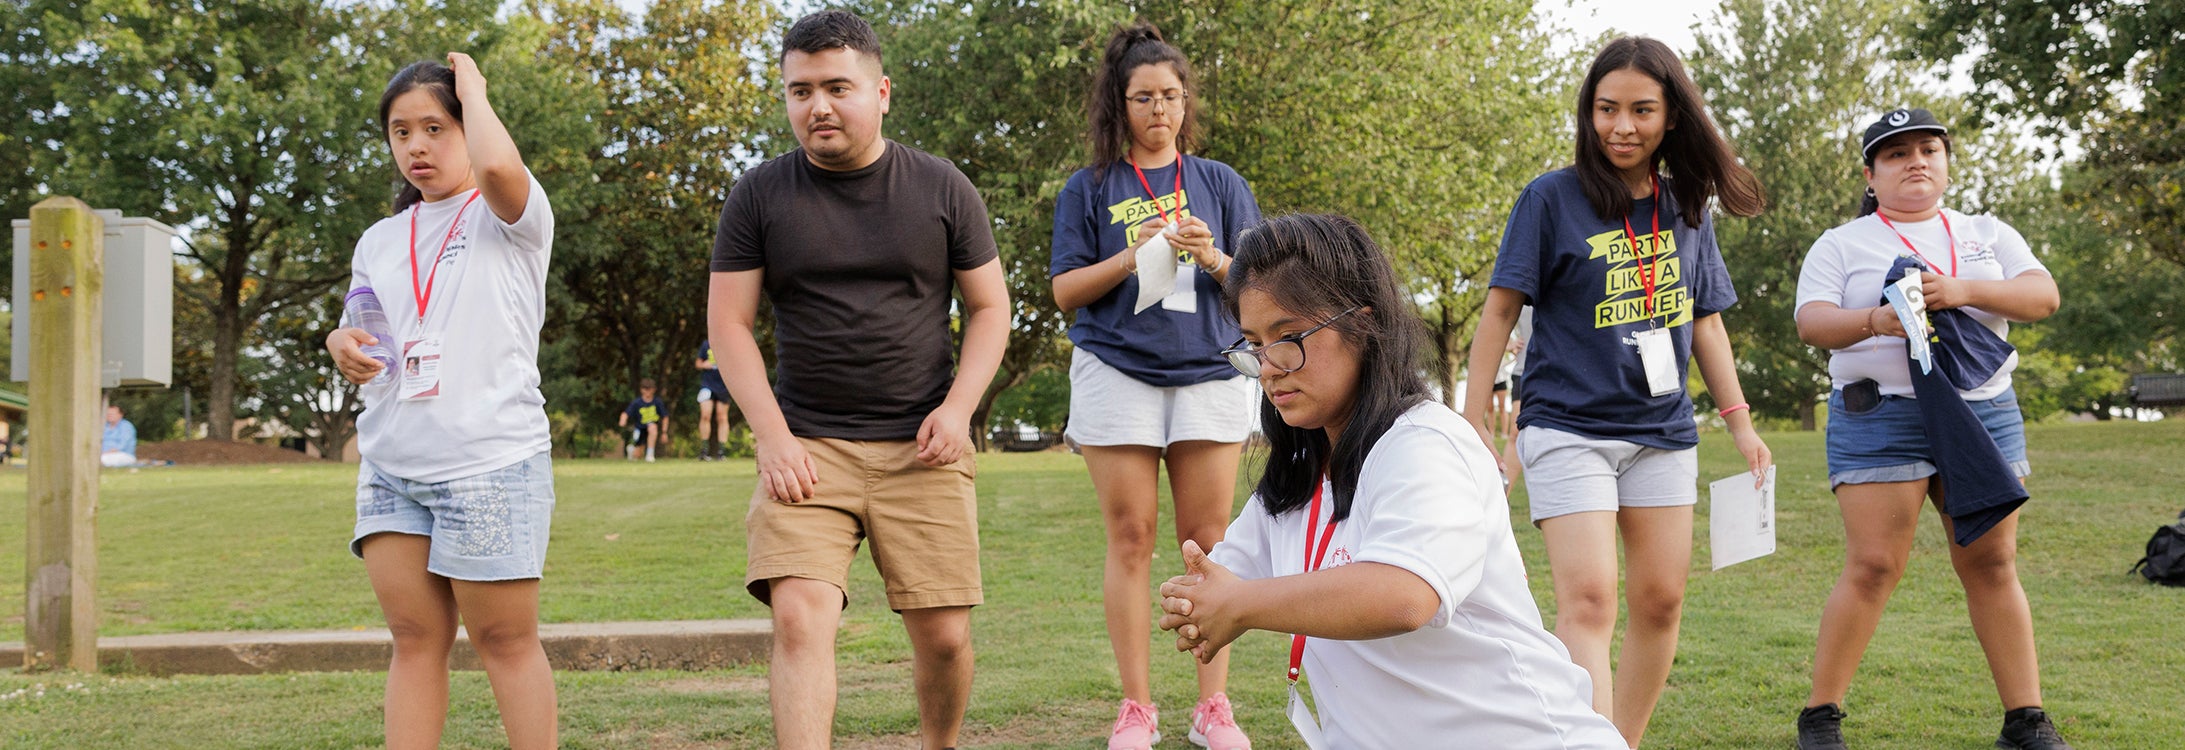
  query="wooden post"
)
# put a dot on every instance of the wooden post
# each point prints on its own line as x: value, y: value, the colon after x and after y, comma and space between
x: 67, y: 270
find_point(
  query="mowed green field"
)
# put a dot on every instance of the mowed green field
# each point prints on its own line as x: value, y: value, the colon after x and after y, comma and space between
x: 186, y: 549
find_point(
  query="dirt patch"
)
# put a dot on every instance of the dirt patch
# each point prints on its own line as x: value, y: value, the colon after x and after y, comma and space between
x: 710, y: 685
x: 219, y: 453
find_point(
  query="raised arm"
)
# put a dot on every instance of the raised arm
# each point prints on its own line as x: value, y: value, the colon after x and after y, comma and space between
x: 502, y: 180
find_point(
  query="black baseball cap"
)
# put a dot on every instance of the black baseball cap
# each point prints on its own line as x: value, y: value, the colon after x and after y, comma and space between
x: 1897, y: 121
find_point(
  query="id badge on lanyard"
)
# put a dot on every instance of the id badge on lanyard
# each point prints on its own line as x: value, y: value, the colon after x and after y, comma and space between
x: 1185, y: 297
x: 1301, y: 717
x: 1659, y: 357
x: 420, y: 369
x: 1656, y: 353
x: 421, y: 356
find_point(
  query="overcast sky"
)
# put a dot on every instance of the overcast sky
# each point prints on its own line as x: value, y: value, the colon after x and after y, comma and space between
x: 1667, y: 20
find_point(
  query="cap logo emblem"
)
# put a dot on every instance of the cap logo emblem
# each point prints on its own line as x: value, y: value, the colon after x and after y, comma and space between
x: 1899, y: 117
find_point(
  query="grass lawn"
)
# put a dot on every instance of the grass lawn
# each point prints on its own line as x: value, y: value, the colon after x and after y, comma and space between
x: 264, y: 548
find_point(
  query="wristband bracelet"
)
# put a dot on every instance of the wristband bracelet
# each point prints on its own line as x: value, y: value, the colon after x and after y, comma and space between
x: 1220, y: 263
x: 1727, y: 411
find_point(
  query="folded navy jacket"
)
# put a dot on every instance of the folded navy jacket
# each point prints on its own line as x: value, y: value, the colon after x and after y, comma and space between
x: 1978, y: 489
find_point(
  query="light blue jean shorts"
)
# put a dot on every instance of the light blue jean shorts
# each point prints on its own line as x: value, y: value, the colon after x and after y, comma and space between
x: 490, y: 526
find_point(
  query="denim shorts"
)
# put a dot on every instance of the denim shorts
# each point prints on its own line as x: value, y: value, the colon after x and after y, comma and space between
x: 490, y: 526
x: 1888, y: 443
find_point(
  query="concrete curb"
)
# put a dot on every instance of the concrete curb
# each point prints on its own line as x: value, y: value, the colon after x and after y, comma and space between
x: 599, y: 646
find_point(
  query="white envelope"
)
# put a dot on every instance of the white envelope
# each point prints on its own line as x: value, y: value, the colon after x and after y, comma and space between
x: 1741, y: 520
x: 1156, y: 272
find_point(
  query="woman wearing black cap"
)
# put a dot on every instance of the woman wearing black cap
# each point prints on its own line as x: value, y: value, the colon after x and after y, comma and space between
x: 1881, y: 464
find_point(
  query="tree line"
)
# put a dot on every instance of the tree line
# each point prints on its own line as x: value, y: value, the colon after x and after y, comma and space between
x: 251, y: 126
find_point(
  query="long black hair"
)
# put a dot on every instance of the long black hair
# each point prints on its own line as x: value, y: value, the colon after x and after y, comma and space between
x: 434, y: 78
x: 1697, y: 156
x: 1870, y: 203
x: 1132, y: 46
x: 1319, y: 266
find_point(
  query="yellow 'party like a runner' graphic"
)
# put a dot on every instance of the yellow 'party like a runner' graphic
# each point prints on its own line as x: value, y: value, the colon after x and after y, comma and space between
x: 1623, y: 293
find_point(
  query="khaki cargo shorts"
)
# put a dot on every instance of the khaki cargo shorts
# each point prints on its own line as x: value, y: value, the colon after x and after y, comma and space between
x: 923, y: 523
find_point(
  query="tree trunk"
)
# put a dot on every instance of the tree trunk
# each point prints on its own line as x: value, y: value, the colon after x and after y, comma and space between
x: 1006, y: 378
x: 1806, y: 415
x: 227, y: 336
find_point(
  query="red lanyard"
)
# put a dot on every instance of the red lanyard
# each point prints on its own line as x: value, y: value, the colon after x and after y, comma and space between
x: 1915, y: 251
x: 1179, y: 194
x: 1313, y: 558
x: 423, y: 292
x: 1652, y: 267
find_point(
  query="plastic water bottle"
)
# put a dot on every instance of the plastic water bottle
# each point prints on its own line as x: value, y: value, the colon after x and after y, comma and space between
x: 362, y: 306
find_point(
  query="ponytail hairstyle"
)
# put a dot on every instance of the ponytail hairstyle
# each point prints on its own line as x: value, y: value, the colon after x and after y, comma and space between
x: 1870, y: 203
x: 1132, y: 46
x: 1318, y: 266
x: 432, y: 77
x: 1694, y: 151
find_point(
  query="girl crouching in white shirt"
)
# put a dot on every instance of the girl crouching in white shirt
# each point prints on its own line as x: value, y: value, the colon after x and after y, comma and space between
x: 1378, y: 533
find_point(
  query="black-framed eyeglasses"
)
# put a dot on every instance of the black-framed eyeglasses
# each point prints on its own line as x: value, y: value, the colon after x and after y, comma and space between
x: 1171, y: 99
x: 1286, y: 354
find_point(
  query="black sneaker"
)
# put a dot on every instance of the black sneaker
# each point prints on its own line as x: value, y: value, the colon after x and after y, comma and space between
x: 1821, y: 728
x: 2029, y: 729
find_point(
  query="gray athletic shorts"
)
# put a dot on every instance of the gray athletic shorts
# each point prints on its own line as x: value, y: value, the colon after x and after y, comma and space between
x: 1567, y: 473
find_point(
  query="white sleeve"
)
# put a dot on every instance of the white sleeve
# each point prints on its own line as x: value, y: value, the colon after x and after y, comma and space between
x: 534, y: 230
x: 2012, y: 251
x: 1821, y: 276
x: 1243, y: 548
x: 1419, y: 500
x: 357, y: 276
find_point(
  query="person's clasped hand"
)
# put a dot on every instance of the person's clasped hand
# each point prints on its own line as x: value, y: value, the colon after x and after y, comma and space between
x: 1200, y: 605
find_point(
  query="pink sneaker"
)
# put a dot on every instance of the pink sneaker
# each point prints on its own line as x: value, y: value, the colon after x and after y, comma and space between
x: 1214, y: 726
x: 1137, y: 727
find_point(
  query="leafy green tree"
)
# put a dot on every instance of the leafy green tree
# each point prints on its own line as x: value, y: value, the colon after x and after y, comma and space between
x: 1421, y: 120
x: 25, y: 113
x: 999, y: 88
x: 2112, y: 70
x: 679, y: 106
x: 1358, y: 107
x: 1792, y: 85
x: 186, y: 112
x: 301, y: 388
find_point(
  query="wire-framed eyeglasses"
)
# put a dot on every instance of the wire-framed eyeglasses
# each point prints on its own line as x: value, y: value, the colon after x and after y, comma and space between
x: 1171, y: 99
x: 1286, y: 354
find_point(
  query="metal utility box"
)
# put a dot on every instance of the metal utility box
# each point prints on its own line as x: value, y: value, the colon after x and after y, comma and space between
x: 138, y: 333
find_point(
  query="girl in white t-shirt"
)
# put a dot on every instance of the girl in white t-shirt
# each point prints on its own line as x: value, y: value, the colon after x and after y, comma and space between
x: 455, y: 492
x: 1880, y: 462
x: 1411, y: 612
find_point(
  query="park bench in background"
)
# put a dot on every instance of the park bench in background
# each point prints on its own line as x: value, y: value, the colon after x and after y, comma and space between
x: 2158, y: 389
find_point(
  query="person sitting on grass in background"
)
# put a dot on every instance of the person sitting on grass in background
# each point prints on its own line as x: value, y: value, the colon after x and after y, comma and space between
x: 651, y: 417
x: 1378, y: 533
x: 118, y: 445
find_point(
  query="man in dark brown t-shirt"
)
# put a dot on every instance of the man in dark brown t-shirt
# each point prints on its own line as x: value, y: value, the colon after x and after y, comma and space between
x: 858, y: 242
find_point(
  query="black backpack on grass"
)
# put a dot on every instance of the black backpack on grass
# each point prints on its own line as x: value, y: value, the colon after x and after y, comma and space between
x: 2165, y: 560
